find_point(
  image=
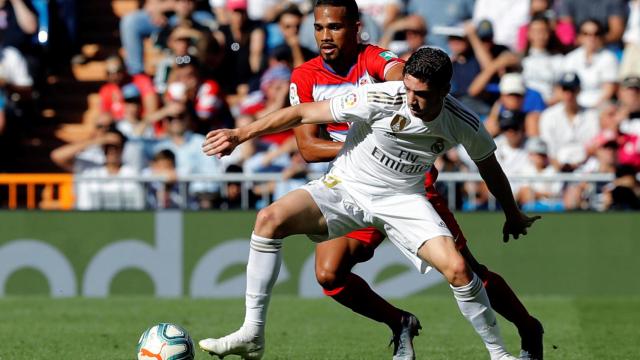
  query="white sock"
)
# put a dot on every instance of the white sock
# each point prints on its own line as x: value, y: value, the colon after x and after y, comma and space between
x: 262, y: 271
x: 474, y: 305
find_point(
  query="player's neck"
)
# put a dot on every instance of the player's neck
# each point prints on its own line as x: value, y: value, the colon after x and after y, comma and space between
x: 343, y: 65
x: 433, y: 113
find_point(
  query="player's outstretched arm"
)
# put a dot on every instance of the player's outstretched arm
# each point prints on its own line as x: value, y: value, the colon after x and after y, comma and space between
x: 516, y: 223
x: 222, y: 141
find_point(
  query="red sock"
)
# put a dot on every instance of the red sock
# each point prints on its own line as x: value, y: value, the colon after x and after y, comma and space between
x: 504, y: 301
x: 359, y: 297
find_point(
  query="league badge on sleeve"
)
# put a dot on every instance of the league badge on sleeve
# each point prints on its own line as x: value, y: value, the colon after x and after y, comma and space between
x: 388, y: 55
x: 294, y: 99
x: 349, y: 101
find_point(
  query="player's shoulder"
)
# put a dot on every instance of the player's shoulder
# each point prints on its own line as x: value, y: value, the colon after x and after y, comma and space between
x: 390, y: 93
x: 308, y: 67
x: 462, y: 114
x: 393, y: 88
x: 374, y: 52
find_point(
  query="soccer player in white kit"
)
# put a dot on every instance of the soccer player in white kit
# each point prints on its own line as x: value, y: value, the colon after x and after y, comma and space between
x: 398, y: 130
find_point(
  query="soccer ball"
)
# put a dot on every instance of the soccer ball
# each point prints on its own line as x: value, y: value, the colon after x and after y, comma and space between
x: 165, y: 342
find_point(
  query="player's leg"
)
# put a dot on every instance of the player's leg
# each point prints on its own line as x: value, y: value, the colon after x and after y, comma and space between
x: 414, y: 226
x: 468, y: 291
x: 334, y: 260
x: 506, y: 303
x: 295, y: 213
x: 503, y: 300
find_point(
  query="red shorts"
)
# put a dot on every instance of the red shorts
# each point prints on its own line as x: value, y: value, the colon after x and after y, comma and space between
x: 373, y: 236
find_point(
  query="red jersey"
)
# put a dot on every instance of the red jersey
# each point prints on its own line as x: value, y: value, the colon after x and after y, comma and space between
x: 316, y: 81
x: 112, y: 100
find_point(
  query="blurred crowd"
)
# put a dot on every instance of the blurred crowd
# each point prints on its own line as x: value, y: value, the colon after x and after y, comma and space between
x: 556, y: 82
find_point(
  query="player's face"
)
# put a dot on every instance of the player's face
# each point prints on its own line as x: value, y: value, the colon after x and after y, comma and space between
x: 424, y: 101
x: 336, y: 36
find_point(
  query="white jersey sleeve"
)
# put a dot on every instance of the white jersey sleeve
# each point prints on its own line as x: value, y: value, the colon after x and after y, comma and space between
x: 469, y: 131
x: 368, y: 102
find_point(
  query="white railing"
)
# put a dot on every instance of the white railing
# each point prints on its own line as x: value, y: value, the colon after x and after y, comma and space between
x: 246, y: 181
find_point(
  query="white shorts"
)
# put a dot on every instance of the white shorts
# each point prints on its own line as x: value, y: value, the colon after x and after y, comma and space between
x: 408, y: 220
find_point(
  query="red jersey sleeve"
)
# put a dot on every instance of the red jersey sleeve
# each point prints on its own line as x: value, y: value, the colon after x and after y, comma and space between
x: 379, y: 61
x: 301, y: 87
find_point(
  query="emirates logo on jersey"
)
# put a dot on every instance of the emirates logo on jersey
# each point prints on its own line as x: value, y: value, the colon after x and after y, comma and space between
x: 438, y: 146
x: 398, y: 123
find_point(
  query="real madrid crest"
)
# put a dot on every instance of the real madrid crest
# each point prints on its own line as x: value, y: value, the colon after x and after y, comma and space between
x: 398, y: 123
x: 438, y: 146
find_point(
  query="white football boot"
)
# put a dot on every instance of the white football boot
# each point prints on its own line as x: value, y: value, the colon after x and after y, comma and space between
x: 242, y: 343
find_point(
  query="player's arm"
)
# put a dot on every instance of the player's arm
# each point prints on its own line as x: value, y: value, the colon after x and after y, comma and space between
x: 314, y: 148
x: 223, y: 141
x: 497, y: 182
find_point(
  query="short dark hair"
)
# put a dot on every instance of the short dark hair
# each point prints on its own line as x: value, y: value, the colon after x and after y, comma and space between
x: 291, y: 9
x: 165, y: 154
x: 430, y: 65
x: 353, y: 14
x: 600, y: 30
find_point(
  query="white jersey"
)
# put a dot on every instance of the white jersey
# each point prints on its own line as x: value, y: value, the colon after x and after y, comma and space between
x: 388, y: 149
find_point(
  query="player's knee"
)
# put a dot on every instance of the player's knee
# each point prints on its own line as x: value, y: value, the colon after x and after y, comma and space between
x: 328, y: 278
x: 269, y: 223
x: 457, y: 272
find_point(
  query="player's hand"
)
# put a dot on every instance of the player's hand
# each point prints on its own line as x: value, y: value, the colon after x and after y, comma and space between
x: 220, y: 142
x: 517, y: 225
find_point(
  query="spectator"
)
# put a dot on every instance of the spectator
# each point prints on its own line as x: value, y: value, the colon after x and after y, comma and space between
x: 131, y: 125
x: 182, y: 41
x: 19, y: 23
x: 164, y: 194
x: 262, y: 11
x: 510, y: 152
x: 628, y: 153
x: 567, y: 127
x: 14, y: 76
x: 515, y: 96
x: 507, y: 16
x: 111, y: 99
x: 244, y: 41
x: 540, y: 196
x: 190, y: 160
x: 188, y: 89
x: 596, y: 66
x: 404, y: 36
x: 232, y: 196
x: 542, y: 59
x: 79, y: 156
x: 383, y: 12
x: 110, y: 193
x: 611, y: 14
x: 465, y: 64
x: 150, y: 20
x: 629, y: 98
x: 271, y: 151
x: 289, y: 22
x: 625, y: 194
x: 562, y: 31
x: 586, y: 195
x: 630, y: 65
x: 440, y: 13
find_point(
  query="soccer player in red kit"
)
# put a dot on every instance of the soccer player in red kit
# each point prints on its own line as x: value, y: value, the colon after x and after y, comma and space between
x: 344, y: 64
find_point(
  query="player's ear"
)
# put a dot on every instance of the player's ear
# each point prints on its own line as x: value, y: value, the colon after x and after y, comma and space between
x: 445, y: 90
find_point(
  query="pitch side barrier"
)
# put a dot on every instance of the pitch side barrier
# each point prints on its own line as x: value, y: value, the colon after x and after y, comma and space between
x: 450, y: 179
x: 203, y: 255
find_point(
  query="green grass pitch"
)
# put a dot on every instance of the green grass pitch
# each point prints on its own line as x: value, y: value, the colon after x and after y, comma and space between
x: 576, y: 327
